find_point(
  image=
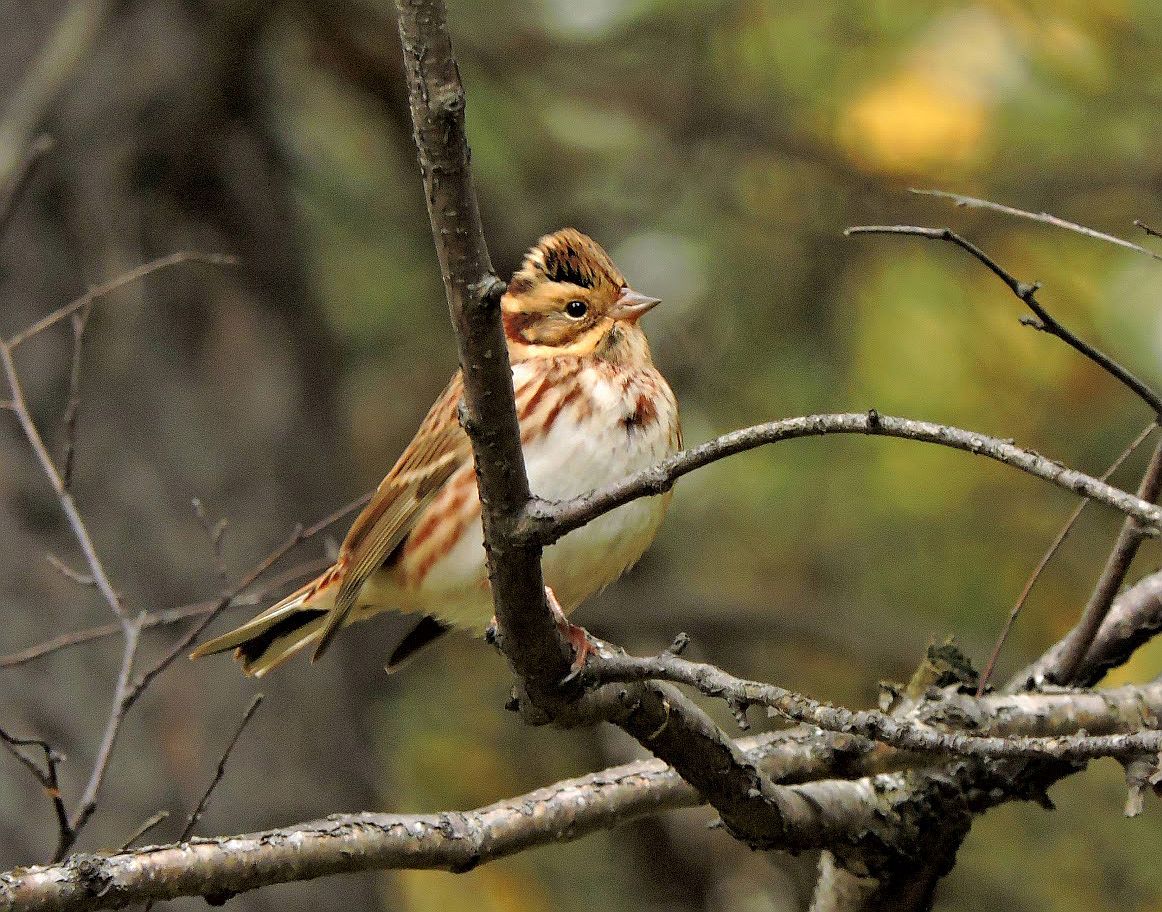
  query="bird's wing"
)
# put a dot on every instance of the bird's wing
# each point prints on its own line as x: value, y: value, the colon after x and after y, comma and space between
x: 439, y: 448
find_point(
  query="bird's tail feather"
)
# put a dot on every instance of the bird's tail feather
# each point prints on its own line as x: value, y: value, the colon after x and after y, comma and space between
x: 272, y: 637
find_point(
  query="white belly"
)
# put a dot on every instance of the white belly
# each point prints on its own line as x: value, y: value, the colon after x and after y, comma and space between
x: 579, y: 453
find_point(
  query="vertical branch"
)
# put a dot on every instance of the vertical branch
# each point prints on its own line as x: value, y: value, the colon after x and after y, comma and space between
x: 660, y: 718
x: 87, y: 803
x: 436, y: 98
x: 72, y: 410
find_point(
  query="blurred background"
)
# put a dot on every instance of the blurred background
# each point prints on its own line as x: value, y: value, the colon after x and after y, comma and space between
x: 718, y: 150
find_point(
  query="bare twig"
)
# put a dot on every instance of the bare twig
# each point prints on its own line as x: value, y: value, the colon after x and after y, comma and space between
x: 200, y: 609
x: 220, y: 771
x: 215, y: 532
x: 87, y: 803
x: 147, y: 825
x: 1133, y: 620
x: 125, y: 692
x: 29, y: 99
x: 162, y: 618
x: 64, y: 498
x: 297, y: 537
x: 1027, y: 293
x: 48, y: 779
x: 80, y: 321
x: 1048, y: 556
x: 972, y: 202
x: 1151, y: 232
x: 84, y: 580
x: 16, y: 183
x: 116, y: 284
x: 1081, y: 637
x: 547, y: 522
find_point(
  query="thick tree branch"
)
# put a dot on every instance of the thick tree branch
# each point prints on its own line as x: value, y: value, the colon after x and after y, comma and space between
x: 437, y: 102
x: 546, y: 522
x: 839, y: 813
x: 454, y: 841
x: 663, y: 721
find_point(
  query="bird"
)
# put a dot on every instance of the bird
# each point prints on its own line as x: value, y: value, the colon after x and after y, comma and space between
x: 592, y: 409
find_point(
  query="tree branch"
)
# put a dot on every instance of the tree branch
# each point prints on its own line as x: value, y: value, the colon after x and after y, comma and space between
x: 1060, y: 711
x: 1045, y: 218
x: 1027, y: 293
x: 546, y: 522
x: 659, y: 718
x: 842, y: 812
x: 1133, y: 620
x: 437, y: 102
x: 1079, y: 639
x: 1048, y: 556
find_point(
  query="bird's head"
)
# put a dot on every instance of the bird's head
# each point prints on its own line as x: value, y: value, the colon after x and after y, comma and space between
x: 569, y: 298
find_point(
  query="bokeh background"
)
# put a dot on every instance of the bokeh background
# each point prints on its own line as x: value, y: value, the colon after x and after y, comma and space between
x: 718, y: 149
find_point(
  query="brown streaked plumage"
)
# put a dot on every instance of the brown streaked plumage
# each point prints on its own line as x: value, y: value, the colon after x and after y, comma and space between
x: 592, y: 408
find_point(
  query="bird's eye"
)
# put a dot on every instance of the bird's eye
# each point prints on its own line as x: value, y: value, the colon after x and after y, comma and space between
x: 576, y: 309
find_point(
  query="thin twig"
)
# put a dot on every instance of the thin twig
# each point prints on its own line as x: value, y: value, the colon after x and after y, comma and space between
x: 1048, y: 556
x: 146, y: 826
x: 196, y: 813
x: 215, y: 531
x: 87, y: 803
x: 80, y: 321
x: 972, y: 202
x: 14, y: 187
x: 64, y: 498
x: 1151, y: 232
x: 1027, y: 293
x: 1081, y: 637
x: 84, y: 580
x: 162, y: 618
x: 48, y: 778
x: 1134, y: 620
x: 115, y: 284
x: 183, y: 645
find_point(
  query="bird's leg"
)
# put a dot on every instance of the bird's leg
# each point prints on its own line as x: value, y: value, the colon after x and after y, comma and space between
x: 576, y: 636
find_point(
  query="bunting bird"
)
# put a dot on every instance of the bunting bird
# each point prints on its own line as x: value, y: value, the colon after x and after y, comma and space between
x: 592, y: 409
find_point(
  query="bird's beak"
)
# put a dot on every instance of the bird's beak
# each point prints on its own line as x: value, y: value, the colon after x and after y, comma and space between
x: 631, y: 306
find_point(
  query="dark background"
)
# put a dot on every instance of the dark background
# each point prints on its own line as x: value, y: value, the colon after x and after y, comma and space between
x: 717, y: 149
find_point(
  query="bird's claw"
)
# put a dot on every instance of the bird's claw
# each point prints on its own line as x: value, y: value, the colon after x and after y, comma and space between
x: 583, y: 647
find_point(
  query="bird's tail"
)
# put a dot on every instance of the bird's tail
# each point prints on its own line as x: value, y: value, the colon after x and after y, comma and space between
x: 272, y: 637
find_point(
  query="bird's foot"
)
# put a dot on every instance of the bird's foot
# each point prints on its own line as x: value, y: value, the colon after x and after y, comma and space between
x: 584, y: 645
